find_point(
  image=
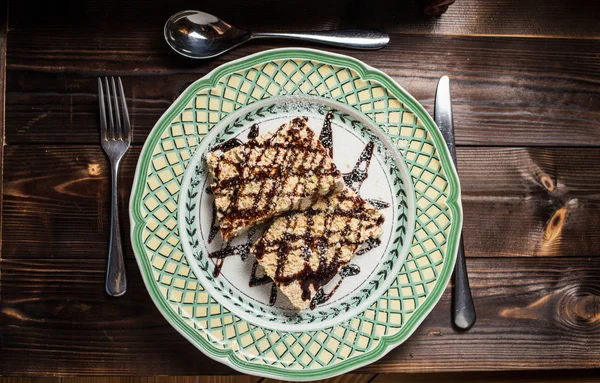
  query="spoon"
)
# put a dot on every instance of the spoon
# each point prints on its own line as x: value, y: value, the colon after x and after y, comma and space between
x: 201, y: 35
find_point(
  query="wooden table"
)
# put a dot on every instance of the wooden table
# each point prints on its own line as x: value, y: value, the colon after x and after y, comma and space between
x: 526, y: 89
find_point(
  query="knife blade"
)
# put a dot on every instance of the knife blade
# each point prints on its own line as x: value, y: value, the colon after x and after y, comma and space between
x: 463, y: 309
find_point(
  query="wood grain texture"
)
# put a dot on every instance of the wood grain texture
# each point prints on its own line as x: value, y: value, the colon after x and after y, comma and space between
x: 57, y: 319
x: 525, y: 76
x: 137, y: 379
x: 207, y: 379
x: 506, y: 91
x: 346, y: 378
x: 517, y: 201
x: 532, y: 314
x: 121, y: 379
x: 530, y: 202
x: 560, y: 376
x: 28, y: 380
x: 527, y: 18
x: 3, y: 28
x: 555, y: 376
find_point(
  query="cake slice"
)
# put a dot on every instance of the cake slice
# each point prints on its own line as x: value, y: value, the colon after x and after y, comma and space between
x: 286, y: 169
x: 303, y: 251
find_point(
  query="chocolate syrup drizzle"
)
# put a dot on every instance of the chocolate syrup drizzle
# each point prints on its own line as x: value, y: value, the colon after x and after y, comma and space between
x: 378, y: 204
x: 228, y: 145
x: 308, y: 277
x: 360, y: 172
x: 368, y: 246
x: 322, y: 297
x: 326, y: 136
x: 259, y: 281
x: 242, y: 250
x: 353, y: 179
x: 254, y: 132
x: 214, y: 223
x: 225, y: 146
x: 269, y: 179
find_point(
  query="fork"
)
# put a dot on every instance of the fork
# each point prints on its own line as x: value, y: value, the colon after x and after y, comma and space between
x: 115, y: 139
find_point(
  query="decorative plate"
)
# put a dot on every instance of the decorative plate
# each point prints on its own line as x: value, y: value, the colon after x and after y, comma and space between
x: 214, y: 294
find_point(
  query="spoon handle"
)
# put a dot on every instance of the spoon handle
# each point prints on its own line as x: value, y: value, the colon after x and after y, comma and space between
x: 349, y: 38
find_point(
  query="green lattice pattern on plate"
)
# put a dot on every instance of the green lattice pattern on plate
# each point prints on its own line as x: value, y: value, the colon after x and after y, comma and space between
x: 204, y: 321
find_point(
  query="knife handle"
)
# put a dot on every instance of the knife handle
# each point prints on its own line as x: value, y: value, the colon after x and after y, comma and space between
x: 463, y: 309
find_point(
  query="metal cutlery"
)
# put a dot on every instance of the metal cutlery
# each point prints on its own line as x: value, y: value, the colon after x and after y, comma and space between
x: 115, y: 136
x: 463, y: 311
x: 200, y: 35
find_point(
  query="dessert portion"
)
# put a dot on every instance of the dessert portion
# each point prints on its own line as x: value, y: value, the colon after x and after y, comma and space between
x: 303, y: 251
x: 280, y: 171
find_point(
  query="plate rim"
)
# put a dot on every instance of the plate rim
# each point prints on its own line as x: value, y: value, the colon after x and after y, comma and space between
x: 400, y: 162
x: 453, y: 202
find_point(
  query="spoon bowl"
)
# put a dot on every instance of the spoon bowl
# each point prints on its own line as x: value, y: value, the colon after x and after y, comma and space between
x: 200, y: 35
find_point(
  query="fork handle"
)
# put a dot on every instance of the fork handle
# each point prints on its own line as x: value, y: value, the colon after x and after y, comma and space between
x: 116, y: 278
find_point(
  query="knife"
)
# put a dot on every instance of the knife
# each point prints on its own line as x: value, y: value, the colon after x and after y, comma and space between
x: 463, y: 310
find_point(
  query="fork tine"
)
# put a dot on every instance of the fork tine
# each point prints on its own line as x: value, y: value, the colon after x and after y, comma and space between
x: 118, y: 128
x: 111, y: 131
x: 126, y: 124
x: 102, y: 110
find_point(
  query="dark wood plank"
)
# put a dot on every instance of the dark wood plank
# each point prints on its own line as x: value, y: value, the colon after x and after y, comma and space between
x: 517, y: 201
x: 138, y: 379
x: 56, y: 319
x: 3, y: 28
x: 74, y: 198
x: 102, y: 379
x: 526, y: 307
x: 163, y: 379
x: 529, y: 18
x: 506, y: 91
x: 530, y: 202
x: 346, y: 378
x: 554, y: 376
x: 208, y: 379
x: 532, y: 314
x: 29, y: 380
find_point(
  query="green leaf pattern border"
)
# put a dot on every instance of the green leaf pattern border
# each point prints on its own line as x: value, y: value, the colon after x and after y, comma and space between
x: 306, y: 356
x: 191, y: 203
